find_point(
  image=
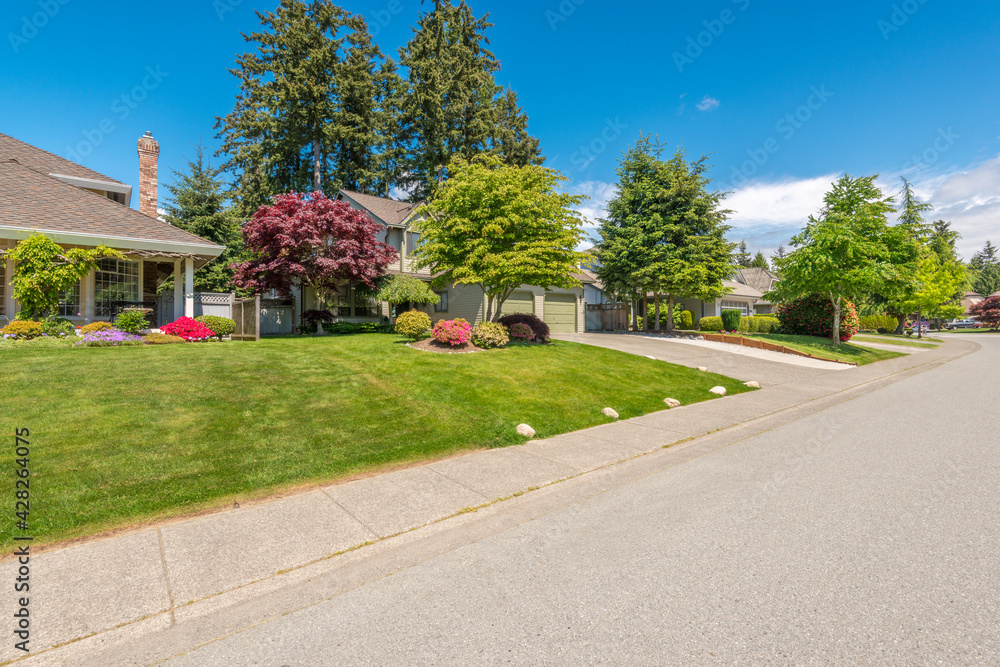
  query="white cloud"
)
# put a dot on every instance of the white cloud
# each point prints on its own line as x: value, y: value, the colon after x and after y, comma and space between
x: 594, y: 208
x: 768, y: 213
x: 708, y: 103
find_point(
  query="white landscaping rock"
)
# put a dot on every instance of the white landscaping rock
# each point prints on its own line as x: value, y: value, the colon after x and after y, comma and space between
x: 649, y: 357
x: 526, y: 431
x: 721, y: 391
x: 672, y: 402
x: 610, y: 412
x: 702, y: 369
x: 752, y: 385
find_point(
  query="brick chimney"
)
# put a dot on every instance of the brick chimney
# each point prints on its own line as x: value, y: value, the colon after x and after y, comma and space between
x: 149, y: 155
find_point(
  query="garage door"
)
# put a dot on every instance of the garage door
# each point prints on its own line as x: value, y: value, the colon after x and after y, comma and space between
x: 560, y: 313
x: 519, y: 302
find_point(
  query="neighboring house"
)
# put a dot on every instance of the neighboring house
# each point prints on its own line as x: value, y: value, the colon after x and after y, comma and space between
x: 971, y: 299
x: 77, y: 207
x: 563, y: 310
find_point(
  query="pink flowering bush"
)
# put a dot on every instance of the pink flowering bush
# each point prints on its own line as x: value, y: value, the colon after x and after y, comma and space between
x: 187, y: 329
x: 453, y: 332
x: 521, y: 331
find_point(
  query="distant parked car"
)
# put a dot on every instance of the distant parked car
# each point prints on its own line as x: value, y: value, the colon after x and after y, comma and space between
x: 964, y: 324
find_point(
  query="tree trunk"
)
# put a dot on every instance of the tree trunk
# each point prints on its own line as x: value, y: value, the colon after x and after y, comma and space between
x: 321, y: 305
x: 317, y: 166
x: 920, y: 322
x: 656, y: 299
x: 902, y: 324
x: 670, y: 314
x: 489, y: 309
x: 645, y: 312
x: 836, y: 319
x: 635, y: 313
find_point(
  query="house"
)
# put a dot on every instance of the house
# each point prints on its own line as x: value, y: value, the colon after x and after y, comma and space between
x: 562, y: 309
x: 746, y: 294
x: 42, y: 193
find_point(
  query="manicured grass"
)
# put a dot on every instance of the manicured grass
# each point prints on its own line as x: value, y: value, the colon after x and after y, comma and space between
x: 902, y: 341
x: 824, y: 347
x: 120, y: 436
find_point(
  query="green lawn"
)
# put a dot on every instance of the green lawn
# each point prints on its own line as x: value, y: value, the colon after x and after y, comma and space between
x: 824, y: 347
x: 903, y: 341
x: 120, y: 436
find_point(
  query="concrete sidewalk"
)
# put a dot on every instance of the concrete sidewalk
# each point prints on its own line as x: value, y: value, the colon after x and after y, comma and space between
x: 156, y: 577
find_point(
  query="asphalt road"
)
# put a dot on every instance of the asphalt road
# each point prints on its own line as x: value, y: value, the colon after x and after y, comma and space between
x: 867, y: 533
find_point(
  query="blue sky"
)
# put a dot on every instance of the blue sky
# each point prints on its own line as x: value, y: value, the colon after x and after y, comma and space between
x: 784, y: 96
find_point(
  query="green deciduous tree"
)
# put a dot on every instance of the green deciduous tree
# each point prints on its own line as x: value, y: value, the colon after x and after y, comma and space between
x: 44, y: 269
x: 197, y: 204
x: 849, y: 250
x: 499, y: 227
x: 399, y: 289
x: 936, y: 286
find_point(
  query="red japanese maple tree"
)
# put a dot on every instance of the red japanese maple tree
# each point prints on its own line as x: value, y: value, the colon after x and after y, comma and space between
x: 988, y: 312
x: 312, y: 240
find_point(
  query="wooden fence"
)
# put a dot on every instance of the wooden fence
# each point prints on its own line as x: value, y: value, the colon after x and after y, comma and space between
x: 607, y: 317
x: 763, y: 345
x: 246, y: 315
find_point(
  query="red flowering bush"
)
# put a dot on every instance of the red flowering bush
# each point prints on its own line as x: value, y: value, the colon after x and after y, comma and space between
x: 521, y: 331
x: 988, y: 312
x: 813, y: 316
x: 187, y: 329
x: 453, y: 332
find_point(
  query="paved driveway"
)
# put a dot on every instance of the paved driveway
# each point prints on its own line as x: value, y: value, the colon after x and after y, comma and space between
x: 770, y: 368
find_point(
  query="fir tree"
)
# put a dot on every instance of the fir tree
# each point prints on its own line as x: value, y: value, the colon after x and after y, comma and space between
x: 760, y: 262
x: 197, y: 204
x: 742, y: 256
x: 985, y: 269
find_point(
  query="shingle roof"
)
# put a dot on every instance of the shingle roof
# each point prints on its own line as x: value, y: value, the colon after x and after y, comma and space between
x: 757, y: 278
x: 389, y: 211
x: 30, y: 199
x: 739, y: 289
x: 44, y: 161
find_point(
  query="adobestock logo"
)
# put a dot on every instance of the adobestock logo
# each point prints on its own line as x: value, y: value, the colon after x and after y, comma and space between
x: 30, y: 25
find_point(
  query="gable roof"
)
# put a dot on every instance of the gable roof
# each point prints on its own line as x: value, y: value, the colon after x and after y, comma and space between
x: 389, y: 211
x: 32, y: 201
x: 739, y: 289
x: 46, y: 162
x: 758, y: 278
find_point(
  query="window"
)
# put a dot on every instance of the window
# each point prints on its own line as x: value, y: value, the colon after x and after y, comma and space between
x: 116, y: 282
x: 741, y: 306
x: 365, y: 305
x: 441, y: 307
x: 69, y: 302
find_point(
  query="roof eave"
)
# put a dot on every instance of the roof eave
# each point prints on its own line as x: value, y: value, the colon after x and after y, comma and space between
x: 209, y: 250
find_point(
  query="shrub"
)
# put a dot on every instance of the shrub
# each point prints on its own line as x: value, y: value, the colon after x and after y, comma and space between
x: 748, y: 325
x: 220, y: 326
x: 812, y: 315
x: 161, y: 339
x: 187, y: 329
x: 453, y: 332
x: 539, y: 329
x: 109, y: 338
x: 731, y: 320
x: 23, y: 330
x: 350, y: 328
x: 96, y: 326
x: 878, y: 323
x: 489, y: 334
x: 767, y: 325
x: 521, y: 331
x: 131, y: 321
x: 687, y: 320
x: 413, y: 324
x: 58, y: 326
x: 710, y: 324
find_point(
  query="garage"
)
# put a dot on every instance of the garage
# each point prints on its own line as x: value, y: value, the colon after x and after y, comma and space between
x: 560, y: 313
x: 519, y: 302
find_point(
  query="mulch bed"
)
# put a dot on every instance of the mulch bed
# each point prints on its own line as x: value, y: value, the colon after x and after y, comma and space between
x: 431, y: 345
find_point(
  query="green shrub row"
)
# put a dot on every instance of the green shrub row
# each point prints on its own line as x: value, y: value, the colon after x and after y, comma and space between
x: 683, y: 319
x: 755, y: 324
x: 882, y: 322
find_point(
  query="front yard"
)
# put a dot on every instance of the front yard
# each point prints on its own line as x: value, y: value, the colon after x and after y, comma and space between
x: 120, y: 436
x: 824, y: 347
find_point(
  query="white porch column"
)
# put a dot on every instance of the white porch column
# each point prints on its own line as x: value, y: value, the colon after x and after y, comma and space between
x: 178, y: 291
x: 189, y: 287
x: 88, y: 297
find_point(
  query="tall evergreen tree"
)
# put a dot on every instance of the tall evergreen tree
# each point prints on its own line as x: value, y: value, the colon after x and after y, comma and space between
x: 197, y: 204
x: 311, y: 112
x: 944, y: 241
x: 760, y: 262
x: 742, y: 256
x: 985, y: 269
x: 453, y: 105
